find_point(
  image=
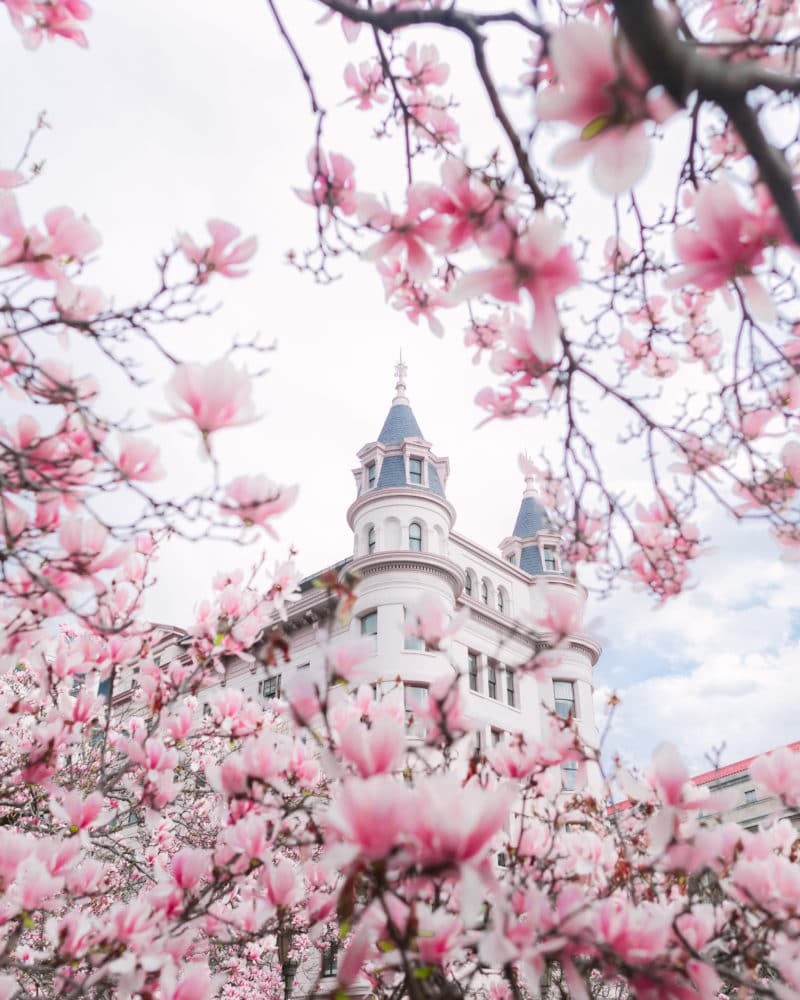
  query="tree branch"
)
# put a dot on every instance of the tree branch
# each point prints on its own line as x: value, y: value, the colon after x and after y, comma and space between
x: 678, y: 67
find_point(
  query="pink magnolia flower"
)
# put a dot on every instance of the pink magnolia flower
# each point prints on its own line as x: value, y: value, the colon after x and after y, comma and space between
x: 558, y: 609
x: 211, y: 396
x: 429, y: 620
x: 77, y: 812
x: 366, y: 82
x: 195, y: 983
x: 535, y: 260
x: 377, y: 749
x: 347, y: 658
x: 603, y: 91
x: 223, y: 256
x: 372, y: 816
x: 454, y: 823
x: 779, y: 774
x: 424, y: 68
x: 190, y: 866
x: 467, y: 201
x: 78, y: 303
x: 333, y: 185
x: 139, y: 459
x: 725, y: 245
x: 257, y: 499
x: 408, y: 235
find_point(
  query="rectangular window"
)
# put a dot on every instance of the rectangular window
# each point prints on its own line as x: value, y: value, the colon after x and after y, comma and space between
x: 415, y: 471
x: 549, y: 559
x: 412, y: 642
x: 415, y: 697
x: 329, y: 960
x: 491, y: 679
x: 511, y: 691
x: 564, y: 694
x: 370, y: 475
x: 270, y: 687
x: 750, y: 796
x: 502, y: 860
x: 569, y: 776
x: 472, y: 666
x: 369, y: 623
x: 497, y: 735
x: 477, y: 745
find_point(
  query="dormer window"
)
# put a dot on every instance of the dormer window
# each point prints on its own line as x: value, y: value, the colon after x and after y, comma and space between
x: 371, y: 475
x: 550, y: 559
x: 415, y: 536
x: 512, y: 559
x: 415, y: 471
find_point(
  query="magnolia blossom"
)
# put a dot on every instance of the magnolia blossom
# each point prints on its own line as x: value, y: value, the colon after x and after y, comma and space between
x: 604, y: 92
x: 211, y: 396
x: 333, y: 185
x: 224, y: 255
x: 726, y: 244
x: 430, y: 620
x: 257, y: 499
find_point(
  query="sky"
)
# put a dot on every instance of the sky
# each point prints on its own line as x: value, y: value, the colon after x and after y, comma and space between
x: 183, y: 110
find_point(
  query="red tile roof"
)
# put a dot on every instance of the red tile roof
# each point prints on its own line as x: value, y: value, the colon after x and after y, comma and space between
x: 736, y: 768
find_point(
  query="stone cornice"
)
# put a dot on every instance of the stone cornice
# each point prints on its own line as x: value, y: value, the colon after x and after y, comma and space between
x: 539, y: 641
x: 401, y: 492
x: 402, y: 560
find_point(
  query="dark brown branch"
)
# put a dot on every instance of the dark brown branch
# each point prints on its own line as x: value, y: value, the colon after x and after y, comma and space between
x: 468, y: 25
x: 678, y: 67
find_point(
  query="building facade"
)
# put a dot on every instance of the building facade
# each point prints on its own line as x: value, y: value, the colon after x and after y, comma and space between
x: 751, y: 805
x: 404, y: 546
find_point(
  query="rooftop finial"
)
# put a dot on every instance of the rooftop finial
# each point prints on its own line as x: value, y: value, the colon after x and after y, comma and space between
x: 528, y: 470
x: 400, y: 372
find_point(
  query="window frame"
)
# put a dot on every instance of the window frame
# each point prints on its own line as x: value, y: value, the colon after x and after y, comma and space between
x: 269, y: 688
x: 571, y: 701
x: 416, y: 468
x: 473, y: 674
x: 372, y: 475
x: 468, y: 584
x: 484, y: 591
x: 511, y: 689
x: 412, y: 643
x: 549, y: 559
x: 414, y: 542
x: 372, y: 539
x: 491, y: 679
x: 569, y: 784
x: 411, y: 708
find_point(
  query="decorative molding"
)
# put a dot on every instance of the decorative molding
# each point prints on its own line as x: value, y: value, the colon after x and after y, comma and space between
x: 402, y: 560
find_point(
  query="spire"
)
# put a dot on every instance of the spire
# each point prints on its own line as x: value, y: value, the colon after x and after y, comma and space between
x: 400, y: 372
x: 400, y: 422
x: 532, y: 516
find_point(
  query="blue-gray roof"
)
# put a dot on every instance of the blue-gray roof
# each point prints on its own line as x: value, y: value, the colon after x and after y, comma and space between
x: 530, y: 560
x: 532, y: 518
x: 393, y: 473
x: 400, y: 423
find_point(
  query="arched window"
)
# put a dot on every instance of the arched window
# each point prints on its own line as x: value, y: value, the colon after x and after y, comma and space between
x: 468, y: 584
x: 501, y: 601
x: 371, y: 540
x: 415, y: 536
x: 485, y: 591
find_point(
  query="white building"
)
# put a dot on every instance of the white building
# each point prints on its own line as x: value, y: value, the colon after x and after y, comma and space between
x: 404, y: 544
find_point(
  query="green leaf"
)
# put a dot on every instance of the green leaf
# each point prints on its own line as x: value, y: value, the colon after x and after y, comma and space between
x: 422, y: 972
x: 386, y: 945
x: 595, y: 127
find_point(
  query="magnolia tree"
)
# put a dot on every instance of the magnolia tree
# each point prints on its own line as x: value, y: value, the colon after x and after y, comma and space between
x: 182, y: 842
